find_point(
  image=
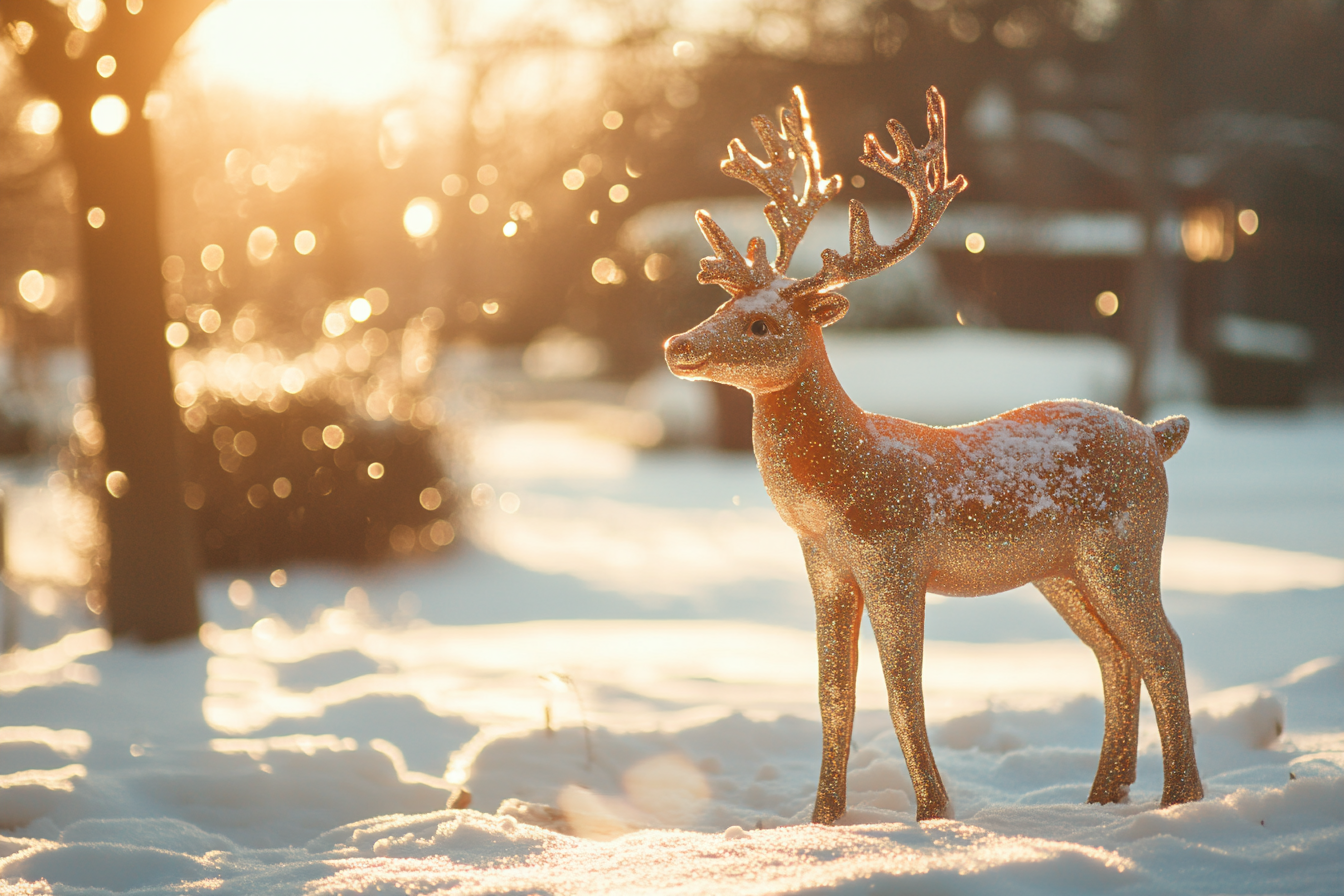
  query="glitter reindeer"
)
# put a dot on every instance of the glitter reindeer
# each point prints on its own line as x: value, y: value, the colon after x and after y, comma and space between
x: 1069, y: 495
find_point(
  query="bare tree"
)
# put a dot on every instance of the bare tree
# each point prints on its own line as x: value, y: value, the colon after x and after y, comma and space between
x: 98, y: 62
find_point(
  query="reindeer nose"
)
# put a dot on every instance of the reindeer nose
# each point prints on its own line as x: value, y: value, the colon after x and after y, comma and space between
x: 677, y: 348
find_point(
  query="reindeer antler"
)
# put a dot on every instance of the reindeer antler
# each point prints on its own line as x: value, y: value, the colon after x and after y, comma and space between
x: 923, y: 173
x: 788, y: 213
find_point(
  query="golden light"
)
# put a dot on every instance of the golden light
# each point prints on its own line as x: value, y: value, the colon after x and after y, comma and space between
x: 1248, y: 221
x: 1107, y: 303
x: 572, y: 179
x: 612, y: 120
x: 278, y: 578
x: 961, y: 319
x: 594, y: 216
x: 134, y: 6
x: 334, y: 324
x: 430, y: 499
x: 520, y: 211
x: 657, y: 266
x: 606, y: 271
x: 173, y: 268
x: 261, y: 243
x: 241, y: 594
x: 96, y: 217
x: 333, y: 436
x: 37, y: 289
x: 683, y: 49
x: 107, y: 66
x: 857, y: 181
x: 40, y: 117
x: 975, y: 243
x: 22, y: 33
x: 210, y: 320
x: 376, y: 470
x: 453, y: 185
x: 618, y: 193
x: 292, y: 381
x: 361, y: 309
x: 510, y: 228
x: 86, y: 15
x: 487, y: 175
x: 118, y: 484
x: 421, y: 218
x: 353, y: 53
x: 378, y: 299
x: 1207, y: 235
x: 282, y: 488
x: 244, y: 328
x: 212, y: 257
x: 176, y: 334
x: 478, y: 203
x: 109, y: 114
x: 305, y: 241
x: 591, y: 165
x: 490, y: 308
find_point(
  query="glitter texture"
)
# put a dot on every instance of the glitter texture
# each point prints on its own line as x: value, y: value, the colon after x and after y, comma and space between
x: 1068, y: 495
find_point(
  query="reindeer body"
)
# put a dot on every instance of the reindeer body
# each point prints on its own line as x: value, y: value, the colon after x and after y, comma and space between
x: 1069, y: 495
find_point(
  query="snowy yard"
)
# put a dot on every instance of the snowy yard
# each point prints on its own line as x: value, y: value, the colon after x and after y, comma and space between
x: 620, y: 661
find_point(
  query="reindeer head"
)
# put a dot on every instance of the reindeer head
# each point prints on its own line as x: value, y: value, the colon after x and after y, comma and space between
x: 769, y: 332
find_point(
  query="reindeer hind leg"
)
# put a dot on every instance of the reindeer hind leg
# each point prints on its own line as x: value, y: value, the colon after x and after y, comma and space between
x: 1120, y: 687
x: 1121, y: 582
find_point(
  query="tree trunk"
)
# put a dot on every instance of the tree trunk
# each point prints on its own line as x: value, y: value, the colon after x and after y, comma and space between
x: 1155, y: 289
x: 151, y: 586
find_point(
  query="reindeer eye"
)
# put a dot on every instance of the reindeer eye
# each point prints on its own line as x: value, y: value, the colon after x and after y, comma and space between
x: 760, y: 328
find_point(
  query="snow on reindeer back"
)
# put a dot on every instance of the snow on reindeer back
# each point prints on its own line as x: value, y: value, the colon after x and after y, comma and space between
x: 1034, y: 465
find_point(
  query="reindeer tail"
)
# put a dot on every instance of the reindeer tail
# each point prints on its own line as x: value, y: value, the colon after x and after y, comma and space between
x: 1170, y: 434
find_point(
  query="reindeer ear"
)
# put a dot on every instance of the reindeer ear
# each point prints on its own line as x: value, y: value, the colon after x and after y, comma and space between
x: 826, y: 308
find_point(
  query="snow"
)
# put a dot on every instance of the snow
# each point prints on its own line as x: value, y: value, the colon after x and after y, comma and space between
x: 621, y: 671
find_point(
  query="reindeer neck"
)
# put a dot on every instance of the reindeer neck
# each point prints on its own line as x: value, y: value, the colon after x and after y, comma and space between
x: 812, y: 414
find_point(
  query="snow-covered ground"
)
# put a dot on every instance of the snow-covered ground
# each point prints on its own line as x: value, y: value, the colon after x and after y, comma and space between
x: 619, y: 668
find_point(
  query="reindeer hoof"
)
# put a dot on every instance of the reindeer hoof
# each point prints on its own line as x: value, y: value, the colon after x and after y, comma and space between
x: 1108, y: 793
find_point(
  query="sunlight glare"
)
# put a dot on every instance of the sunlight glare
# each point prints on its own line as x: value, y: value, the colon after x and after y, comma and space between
x: 349, y: 52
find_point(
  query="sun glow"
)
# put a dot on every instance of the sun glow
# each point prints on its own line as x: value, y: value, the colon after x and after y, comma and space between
x: 343, y: 51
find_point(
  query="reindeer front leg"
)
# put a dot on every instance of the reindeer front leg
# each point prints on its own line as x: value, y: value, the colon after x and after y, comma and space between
x: 839, y: 613
x: 896, y: 608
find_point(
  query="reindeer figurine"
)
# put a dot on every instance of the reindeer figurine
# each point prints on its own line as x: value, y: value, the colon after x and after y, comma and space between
x: 1069, y: 495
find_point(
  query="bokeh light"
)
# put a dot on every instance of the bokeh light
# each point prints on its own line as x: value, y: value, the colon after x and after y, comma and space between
x: 109, y: 114
x: 37, y: 289
x: 421, y: 217
x: 96, y: 217
x: 975, y: 243
x: 40, y: 117
x: 618, y: 193
x: 361, y: 309
x: 612, y: 120
x: 176, y: 334
x: 261, y: 243
x: 1107, y: 303
x: 118, y: 484
x: 106, y: 66
x: 572, y: 179
x: 1248, y: 221
x: 212, y: 257
x: 305, y: 241
x: 606, y: 271
x: 86, y: 15
x: 478, y: 203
